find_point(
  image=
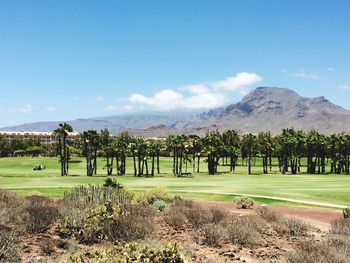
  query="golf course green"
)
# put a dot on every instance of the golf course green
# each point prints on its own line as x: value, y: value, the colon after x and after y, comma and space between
x: 330, y: 190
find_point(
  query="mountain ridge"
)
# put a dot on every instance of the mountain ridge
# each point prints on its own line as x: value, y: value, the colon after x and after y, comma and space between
x: 263, y: 109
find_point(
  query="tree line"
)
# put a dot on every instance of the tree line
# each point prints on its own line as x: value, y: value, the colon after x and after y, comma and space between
x: 323, y: 153
x: 216, y: 149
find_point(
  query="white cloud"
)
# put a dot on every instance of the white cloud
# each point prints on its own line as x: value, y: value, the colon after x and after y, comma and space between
x: 166, y: 99
x: 305, y: 75
x: 111, y: 108
x: 26, y: 108
x: 203, y: 95
x: 238, y: 83
x: 344, y: 87
x: 169, y: 100
x: 196, y: 88
x: 50, y: 108
x: 331, y: 69
x: 99, y: 98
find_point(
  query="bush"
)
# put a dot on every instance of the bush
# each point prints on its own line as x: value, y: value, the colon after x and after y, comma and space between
x: 253, y: 222
x: 240, y: 234
x: 312, y: 252
x: 39, y: 214
x: 218, y: 214
x: 9, y: 245
x: 268, y: 214
x: 212, y: 234
x: 109, y: 182
x: 112, y: 222
x: 159, y: 205
x: 243, y: 202
x: 340, y: 243
x: 93, y: 195
x: 198, y: 216
x: 174, y: 216
x: 131, y: 252
x: 346, y: 212
x: 341, y: 227
x: 153, y: 195
x: 291, y: 227
x: 47, y: 246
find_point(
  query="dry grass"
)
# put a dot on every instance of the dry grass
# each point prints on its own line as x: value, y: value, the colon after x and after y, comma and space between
x: 291, y: 227
x: 315, y: 252
x: 212, y: 234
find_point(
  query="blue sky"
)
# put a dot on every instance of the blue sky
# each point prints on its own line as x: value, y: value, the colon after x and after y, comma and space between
x: 62, y: 60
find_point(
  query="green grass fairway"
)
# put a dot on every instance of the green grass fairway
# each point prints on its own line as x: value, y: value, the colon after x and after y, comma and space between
x: 16, y: 174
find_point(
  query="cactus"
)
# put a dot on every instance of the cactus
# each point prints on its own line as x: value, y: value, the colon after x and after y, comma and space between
x: 346, y: 212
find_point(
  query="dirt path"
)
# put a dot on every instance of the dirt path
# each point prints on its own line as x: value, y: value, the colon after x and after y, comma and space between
x: 315, y: 216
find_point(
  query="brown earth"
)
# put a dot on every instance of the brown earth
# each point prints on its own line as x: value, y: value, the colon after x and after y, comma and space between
x: 318, y: 217
x: 272, y: 247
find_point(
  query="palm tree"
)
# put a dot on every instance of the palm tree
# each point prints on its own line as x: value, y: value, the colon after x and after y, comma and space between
x: 91, y: 141
x: 265, y: 147
x: 231, y: 142
x: 213, y: 146
x: 62, y: 133
x: 248, y: 147
x: 107, y: 143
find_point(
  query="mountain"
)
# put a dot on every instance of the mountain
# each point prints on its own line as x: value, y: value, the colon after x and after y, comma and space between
x: 263, y: 109
x: 271, y: 109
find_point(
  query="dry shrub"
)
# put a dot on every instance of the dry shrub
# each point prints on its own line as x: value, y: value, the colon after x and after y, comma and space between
x: 341, y: 227
x: 212, y: 234
x: 240, y: 234
x: 291, y: 227
x: 340, y: 243
x: 312, y: 252
x: 47, y: 246
x: 39, y: 214
x: 198, y: 216
x: 9, y: 244
x: 175, y: 217
x: 11, y: 206
x: 218, y: 214
x: 253, y: 222
x: 268, y: 214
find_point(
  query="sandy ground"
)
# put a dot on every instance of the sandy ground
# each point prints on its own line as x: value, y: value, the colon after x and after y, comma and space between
x: 315, y: 216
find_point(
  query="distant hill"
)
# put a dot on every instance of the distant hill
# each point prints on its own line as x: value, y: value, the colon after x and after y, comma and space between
x: 263, y: 109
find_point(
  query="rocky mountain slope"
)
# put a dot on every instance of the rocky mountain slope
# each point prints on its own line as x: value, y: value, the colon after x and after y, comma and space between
x: 263, y: 109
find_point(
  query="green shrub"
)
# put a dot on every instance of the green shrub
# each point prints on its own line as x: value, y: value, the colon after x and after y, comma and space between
x: 131, y: 252
x: 346, y: 212
x: 109, y: 182
x: 111, y: 222
x: 155, y: 194
x: 93, y: 195
x: 243, y: 202
x: 159, y: 205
